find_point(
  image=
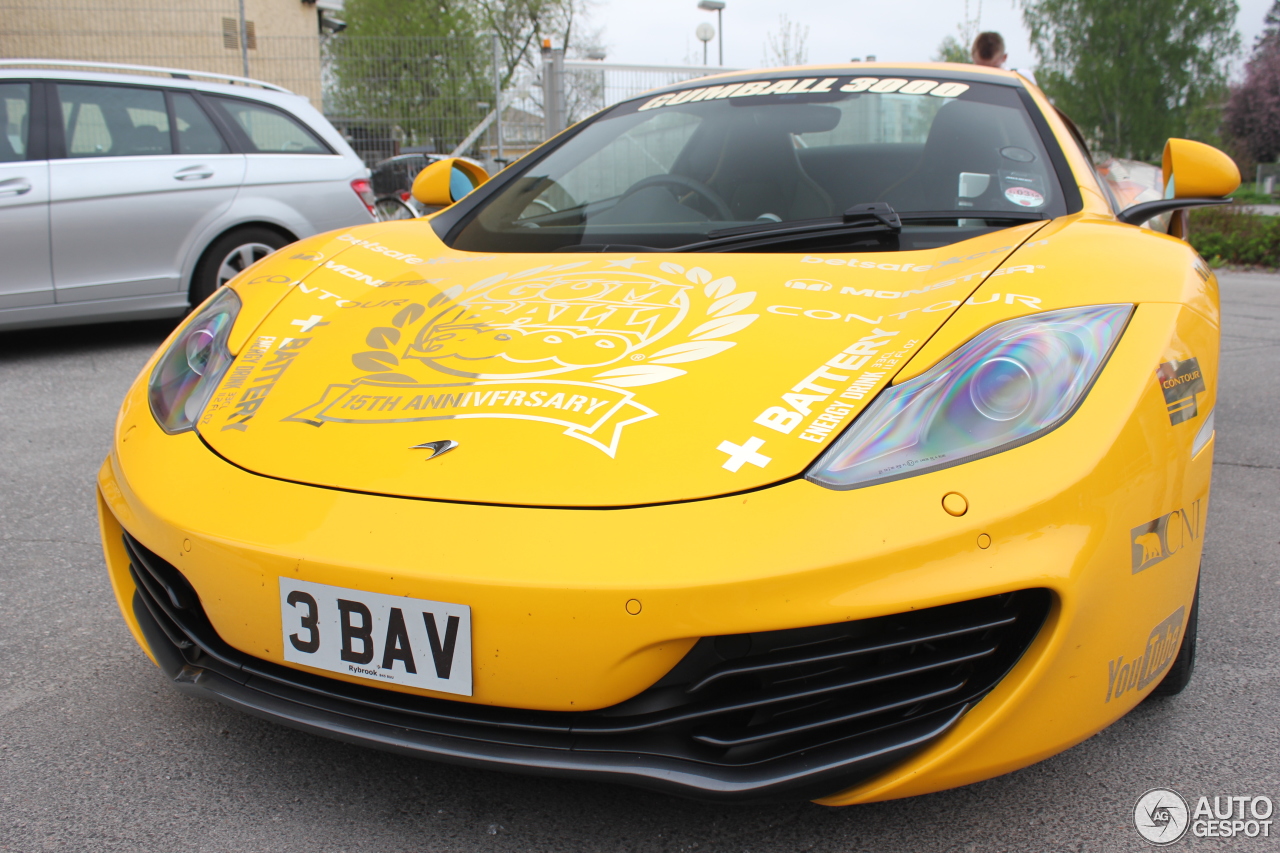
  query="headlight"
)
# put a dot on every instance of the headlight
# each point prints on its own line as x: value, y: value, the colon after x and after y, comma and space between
x: 1009, y: 385
x: 185, y: 377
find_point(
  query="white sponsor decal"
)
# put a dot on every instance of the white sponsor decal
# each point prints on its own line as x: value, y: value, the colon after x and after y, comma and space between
x: 740, y: 454
x: 827, y: 314
x: 379, y: 249
x: 820, y: 385
x: 808, y: 86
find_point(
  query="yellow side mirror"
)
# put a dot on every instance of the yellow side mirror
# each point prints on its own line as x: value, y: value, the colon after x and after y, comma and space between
x: 1195, y: 175
x: 446, y: 181
x: 1195, y: 170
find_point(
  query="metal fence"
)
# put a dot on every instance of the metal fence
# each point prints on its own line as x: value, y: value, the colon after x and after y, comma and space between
x: 1267, y: 178
x: 386, y: 95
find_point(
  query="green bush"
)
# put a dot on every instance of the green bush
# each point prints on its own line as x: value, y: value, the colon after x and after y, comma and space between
x: 1228, y: 235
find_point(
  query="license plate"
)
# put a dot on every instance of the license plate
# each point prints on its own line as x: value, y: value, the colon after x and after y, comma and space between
x: 385, y: 638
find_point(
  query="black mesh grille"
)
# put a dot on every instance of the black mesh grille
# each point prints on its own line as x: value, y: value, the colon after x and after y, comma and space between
x: 859, y: 694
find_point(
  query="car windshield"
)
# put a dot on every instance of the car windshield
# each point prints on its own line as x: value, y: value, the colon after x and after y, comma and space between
x: 680, y: 169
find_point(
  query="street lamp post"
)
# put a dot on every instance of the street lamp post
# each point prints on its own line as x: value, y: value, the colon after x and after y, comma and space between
x: 716, y: 6
x: 705, y: 33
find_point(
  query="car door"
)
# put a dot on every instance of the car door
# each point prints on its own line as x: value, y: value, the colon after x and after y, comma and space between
x: 26, y: 277
x: 144, y: 171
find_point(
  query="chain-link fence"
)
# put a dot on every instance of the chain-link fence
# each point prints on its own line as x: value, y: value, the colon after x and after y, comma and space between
x: 386, y: 95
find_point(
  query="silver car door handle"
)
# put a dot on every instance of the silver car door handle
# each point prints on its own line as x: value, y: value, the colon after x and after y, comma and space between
x: 193, y: 173
x: 15, y: 186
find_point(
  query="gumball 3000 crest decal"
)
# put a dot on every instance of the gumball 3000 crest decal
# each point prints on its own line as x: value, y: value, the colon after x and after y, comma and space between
x: 504, y: 348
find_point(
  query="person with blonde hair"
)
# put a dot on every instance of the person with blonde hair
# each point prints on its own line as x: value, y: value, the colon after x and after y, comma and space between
x: 988, y: 50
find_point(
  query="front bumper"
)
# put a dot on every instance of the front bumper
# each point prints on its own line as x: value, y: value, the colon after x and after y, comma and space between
x: 796, y: 713
x: 550, y: 588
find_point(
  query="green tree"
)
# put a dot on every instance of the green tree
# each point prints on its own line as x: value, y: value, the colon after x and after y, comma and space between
x: 523, y: 25
x: 951, y: 50
x: 1252, y: 116
x: 422, y: 70
x: 786, y: 46
x: 1133, y: 73
x: 415, y: 70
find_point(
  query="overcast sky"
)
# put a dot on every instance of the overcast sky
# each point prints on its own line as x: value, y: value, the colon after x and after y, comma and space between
x: 661, y: 31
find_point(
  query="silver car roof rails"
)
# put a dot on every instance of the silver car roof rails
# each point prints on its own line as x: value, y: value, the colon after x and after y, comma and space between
x: 180, y: 73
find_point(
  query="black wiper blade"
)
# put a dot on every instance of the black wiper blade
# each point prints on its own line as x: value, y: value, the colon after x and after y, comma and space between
x: 877, y: 213
x: 875, y: 218
x: 869, y: 219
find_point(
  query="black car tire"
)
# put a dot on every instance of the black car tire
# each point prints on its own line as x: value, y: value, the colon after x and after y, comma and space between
x: 1179, y: 674
x: 230, y: 254
x: 390, y: 208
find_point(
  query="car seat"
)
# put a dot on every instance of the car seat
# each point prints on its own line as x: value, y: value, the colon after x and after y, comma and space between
x: 146, y: 139
x: 758, y: 172
x: 965, y: 137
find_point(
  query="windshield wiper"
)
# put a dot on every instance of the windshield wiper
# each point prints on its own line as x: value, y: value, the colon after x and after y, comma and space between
x: 875, y: 218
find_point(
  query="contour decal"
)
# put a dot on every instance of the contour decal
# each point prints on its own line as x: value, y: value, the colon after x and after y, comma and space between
x: 948, y: 305
x: 1162, y: 646
x: 1181, y: 381
x: 322, y: 295
x: 1158, y: 540
x: 499, y: 348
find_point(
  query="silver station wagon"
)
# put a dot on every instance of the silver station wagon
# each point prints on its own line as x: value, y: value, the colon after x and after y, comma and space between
x: 136, y: 196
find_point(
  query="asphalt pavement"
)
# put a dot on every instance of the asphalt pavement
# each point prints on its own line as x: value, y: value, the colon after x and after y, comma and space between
x: 99, y: 753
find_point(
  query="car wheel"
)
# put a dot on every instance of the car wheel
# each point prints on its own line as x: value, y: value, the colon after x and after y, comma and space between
x: 229, y: 255
x: 1179, y: 674
x: 390, y: 208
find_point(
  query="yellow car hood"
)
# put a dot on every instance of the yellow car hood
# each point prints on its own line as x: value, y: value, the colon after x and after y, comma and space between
x: 571, y: 379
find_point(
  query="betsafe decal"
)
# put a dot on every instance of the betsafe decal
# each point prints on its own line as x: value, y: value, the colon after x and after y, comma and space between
x: 1181, y: 381
x: 499, y: 348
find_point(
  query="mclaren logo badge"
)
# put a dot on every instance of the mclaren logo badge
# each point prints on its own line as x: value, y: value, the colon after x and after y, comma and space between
x: 437, y: 448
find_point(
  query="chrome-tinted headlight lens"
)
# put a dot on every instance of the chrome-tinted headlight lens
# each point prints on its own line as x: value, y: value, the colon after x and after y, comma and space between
x: 1009, y: 385
x: 188, y: 373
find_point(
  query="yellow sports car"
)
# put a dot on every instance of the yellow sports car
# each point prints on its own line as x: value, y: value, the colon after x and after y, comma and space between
x: 823, y: 432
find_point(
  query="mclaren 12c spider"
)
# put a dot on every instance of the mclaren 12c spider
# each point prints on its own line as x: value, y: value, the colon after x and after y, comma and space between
x: 826, y: 433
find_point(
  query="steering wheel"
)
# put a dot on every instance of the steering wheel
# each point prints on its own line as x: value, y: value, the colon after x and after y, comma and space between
x: 721, y: 206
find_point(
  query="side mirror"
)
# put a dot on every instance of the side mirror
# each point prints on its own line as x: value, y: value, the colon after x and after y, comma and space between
x: 446, y: 181
x: 1195, y: 170
x: 1195, y: 175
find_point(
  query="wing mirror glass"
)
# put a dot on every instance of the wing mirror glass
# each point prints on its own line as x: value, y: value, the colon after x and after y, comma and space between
x: 446, y: 181
x: 1195, y: 170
